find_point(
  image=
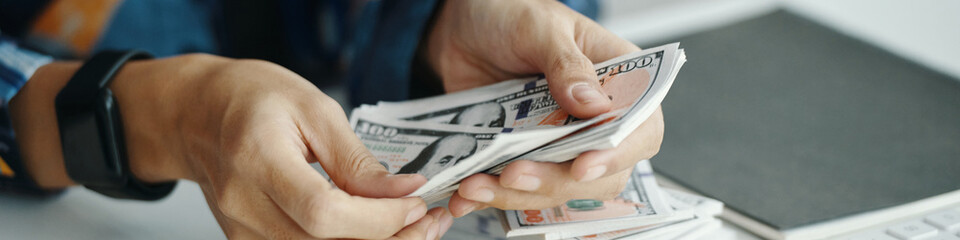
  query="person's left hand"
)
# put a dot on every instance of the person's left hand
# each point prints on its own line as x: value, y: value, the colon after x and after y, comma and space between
x: 479, y: 42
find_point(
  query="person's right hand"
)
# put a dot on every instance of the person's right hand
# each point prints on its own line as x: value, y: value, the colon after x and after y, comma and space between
x: 480, y: 42
x: 245, y: 131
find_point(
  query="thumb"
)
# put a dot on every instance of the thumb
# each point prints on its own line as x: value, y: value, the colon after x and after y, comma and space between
x: 356, y: 171
x: 351, y: 166
x: 572, y: 79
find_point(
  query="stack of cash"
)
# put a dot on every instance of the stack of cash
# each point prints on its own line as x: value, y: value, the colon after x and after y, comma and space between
x: 449, y: 137
x: 642, y: 211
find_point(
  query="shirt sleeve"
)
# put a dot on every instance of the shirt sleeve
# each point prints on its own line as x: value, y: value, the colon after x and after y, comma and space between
x: 383, y: 47
x: 17, y: 65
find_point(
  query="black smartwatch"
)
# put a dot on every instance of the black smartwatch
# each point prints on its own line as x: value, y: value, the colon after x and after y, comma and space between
x: 91, y: 131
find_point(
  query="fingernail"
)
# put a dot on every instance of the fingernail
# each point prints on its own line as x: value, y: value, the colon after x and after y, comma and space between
x: 468, y: 209
x: 585, y: 94
x: 593, y: 173
x: 526, y: 183
x: 433, y: 230
x: 446, y: 220
x: 482, y: 195
x: 415, y: 214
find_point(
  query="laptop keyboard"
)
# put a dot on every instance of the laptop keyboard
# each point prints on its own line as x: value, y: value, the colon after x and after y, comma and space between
x: 939, y: 225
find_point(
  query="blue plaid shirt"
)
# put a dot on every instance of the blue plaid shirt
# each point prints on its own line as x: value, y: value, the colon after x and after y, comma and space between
x: 16, y: 67
x: 384, y: 38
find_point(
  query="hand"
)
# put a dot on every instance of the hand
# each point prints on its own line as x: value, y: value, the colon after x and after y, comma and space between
x: 479, y: 42
x: 245, y: 131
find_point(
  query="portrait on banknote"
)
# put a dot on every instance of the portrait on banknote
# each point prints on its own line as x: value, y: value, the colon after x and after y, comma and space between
x: 482, y: 114
x: 440, y: 154
x: 488, y: 114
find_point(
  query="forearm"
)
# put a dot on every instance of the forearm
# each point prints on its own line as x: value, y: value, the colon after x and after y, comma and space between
x: 150, y: 136
x: 34, y: 121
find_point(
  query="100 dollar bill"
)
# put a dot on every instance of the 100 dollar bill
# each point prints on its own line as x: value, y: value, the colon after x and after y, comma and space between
x: 704, y: 210
x: 444, y: 153
x: 526, y: 103
x: 406, y: 148
x: 640, y: 203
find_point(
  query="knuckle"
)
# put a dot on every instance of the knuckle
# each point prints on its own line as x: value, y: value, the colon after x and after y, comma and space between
x: 357, y: 162
x: 573, y: 65
x: 564, y: 60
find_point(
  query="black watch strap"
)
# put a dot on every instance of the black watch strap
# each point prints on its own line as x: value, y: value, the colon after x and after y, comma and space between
x: 91, y: 131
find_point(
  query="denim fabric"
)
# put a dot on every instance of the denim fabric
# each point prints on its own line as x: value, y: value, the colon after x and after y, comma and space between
x: 162, y: 27
x: 385, y: 45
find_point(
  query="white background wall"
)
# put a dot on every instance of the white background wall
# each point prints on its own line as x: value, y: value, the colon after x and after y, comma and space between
x: 925, y: 31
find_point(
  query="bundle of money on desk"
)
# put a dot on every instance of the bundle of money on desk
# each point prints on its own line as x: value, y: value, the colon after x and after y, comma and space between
x: 642, y: 211
x: 449, y: 137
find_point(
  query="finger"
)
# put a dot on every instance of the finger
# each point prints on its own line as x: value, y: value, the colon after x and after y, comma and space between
x: 642, y: 143
x: 446, y: 221
x: 487, y: 190
x: 334, y: 213
x: 460, y: 206
x: 571, y: 76
x: 427, y: 227
x: 346, y: 160
x: 443, y: 221
x: 324, y: 211
x: 554, y: 179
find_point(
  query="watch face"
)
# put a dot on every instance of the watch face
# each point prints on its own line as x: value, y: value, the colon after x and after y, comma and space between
x: 84, y: 152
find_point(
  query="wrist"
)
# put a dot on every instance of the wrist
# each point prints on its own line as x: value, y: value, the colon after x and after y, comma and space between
x: 145, y: 92
x: 134, y: 87
x: 167, y: 110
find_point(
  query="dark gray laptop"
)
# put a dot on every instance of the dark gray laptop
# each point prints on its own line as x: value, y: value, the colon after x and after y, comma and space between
x: 791, y: 123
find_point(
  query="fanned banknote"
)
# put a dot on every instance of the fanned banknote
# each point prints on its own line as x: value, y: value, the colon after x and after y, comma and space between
x: 443, y: 153
x: 512, y: 120
x: 450, y: 137
x: 634, y: 82
x: 427, y: 151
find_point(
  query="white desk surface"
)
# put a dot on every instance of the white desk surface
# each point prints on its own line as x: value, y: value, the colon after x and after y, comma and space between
x: 926, y: 31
